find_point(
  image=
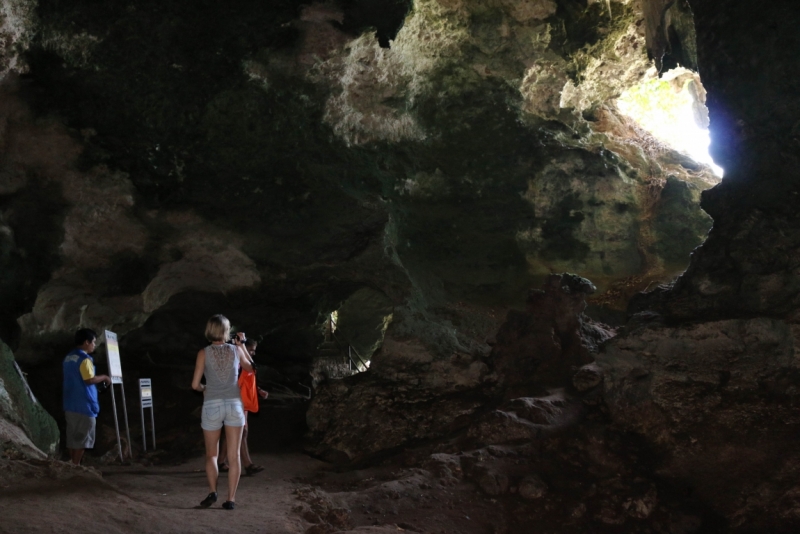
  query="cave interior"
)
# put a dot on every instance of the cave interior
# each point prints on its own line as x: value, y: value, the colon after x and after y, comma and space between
x: 541, y: 257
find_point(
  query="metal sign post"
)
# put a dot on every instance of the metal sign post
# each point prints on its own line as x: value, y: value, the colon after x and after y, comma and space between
x: 115, y: 370
x: 146, y: 401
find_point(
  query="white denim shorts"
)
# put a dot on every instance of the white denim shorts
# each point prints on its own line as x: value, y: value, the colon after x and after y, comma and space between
x: 222, y: 411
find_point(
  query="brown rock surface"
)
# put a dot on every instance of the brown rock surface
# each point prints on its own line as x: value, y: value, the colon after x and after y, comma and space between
x: 717, y: 401
x: 544, y: 345
x: 407, y: 396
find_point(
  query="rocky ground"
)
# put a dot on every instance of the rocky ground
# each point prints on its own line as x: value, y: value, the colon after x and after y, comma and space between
x: 459, y: 493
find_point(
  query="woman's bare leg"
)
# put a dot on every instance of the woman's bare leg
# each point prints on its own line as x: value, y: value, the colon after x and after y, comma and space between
x: 223, y: 450
x: 211, y: 438
x: 246, y: 460
x: 233, y: 434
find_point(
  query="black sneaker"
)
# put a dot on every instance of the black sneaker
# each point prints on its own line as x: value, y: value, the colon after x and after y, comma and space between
x: 208, y: 501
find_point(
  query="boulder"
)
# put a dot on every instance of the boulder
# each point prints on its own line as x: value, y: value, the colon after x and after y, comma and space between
x: 539, y: 348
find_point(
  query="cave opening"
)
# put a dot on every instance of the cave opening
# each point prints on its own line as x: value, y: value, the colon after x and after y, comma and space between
x: 672, y: 107
x: 384, y: 17
x: 352, y: 334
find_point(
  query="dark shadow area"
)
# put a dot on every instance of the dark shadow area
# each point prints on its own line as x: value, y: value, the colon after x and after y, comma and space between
x: 29, y: 252
x: 386, y: 17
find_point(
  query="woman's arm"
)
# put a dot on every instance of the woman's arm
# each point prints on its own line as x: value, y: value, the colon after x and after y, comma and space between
x: 199, y: 368
x: 244, y: 358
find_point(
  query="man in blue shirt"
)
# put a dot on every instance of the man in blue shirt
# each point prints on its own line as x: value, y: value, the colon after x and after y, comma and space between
x: 80, y: 395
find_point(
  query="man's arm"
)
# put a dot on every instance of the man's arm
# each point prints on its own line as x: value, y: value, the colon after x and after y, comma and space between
x: 87, y: 373
x: 97, y: 379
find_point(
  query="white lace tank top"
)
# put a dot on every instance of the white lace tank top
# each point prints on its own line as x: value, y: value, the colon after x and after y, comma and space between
x: 222, y: 372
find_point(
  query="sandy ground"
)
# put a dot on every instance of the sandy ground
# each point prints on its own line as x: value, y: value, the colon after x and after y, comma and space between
x: 53, y: 497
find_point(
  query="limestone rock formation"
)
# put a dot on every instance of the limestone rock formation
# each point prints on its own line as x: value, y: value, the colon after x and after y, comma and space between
x: 25, y: 426
x: 17, y: 27
x: 413, y: 393
x: 542, y: 346
x: 462, y: 124
x: 717, y: 402
x: 706, y: 372
x: 409, y: 395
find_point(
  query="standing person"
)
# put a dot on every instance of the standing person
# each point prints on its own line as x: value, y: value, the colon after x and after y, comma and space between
x: 219, y: 363
x: 80, y: 394
x: 249, y: 389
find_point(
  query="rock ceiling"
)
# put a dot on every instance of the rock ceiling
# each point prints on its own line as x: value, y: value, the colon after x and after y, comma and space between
x: 275, y: 150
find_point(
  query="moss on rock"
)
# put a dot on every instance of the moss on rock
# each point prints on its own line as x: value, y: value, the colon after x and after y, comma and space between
x: 19, y: 407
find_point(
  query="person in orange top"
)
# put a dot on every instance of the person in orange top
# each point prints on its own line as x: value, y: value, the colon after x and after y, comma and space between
x: 250, y: 393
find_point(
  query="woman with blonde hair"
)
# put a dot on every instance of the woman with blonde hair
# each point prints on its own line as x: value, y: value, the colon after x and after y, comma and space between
x: 222, y: 405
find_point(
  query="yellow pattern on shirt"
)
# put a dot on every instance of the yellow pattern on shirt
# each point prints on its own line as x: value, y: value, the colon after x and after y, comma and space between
x: 87, y: 369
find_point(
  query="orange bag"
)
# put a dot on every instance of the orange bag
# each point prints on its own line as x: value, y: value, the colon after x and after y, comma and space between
x: 247, y: 386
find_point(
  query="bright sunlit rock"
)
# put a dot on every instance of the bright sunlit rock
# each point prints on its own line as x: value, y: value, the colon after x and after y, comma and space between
x: 672, y: 108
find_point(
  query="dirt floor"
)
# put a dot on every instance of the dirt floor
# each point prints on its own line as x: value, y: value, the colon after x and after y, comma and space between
x: 53, y: 497
x: 294, y: 494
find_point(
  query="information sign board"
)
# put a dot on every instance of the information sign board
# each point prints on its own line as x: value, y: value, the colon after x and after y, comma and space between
x: 114, y: 365
x: 146, y: 393
x: 146, y: 399
x: 115, y: 371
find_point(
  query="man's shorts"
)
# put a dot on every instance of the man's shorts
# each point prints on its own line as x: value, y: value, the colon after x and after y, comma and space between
x: 80, y: 430
x: 222, y: 411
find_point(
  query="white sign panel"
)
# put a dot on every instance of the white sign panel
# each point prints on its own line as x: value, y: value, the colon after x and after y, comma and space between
x: 114, y: 365
x: 115, y: 370
x: 145, y: 393
x: 146, y: 398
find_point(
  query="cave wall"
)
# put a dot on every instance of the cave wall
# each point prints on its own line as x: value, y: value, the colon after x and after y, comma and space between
x: 706, y: 370
x: 162, y: 163
x: 335, y: 138
x: 166, y: 162
x: 499, y: 212
x: 703, y: 377
x: 746, y: 266
x: 26, y: 429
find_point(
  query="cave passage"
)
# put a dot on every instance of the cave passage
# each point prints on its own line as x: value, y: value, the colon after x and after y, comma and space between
x: 352, y: 333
